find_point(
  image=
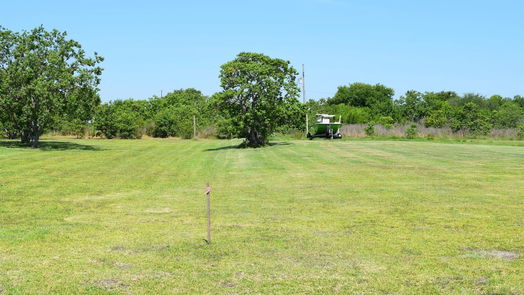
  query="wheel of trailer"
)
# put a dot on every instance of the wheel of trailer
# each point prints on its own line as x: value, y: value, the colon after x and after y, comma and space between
x: 330, y: 133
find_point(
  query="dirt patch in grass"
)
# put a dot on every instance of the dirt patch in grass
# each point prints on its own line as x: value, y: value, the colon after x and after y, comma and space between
x: 159, y: 211
x: 228, y: 284
x: 123, y: 265
x: 151, y: 249
x: 110, y: 284
x: 499, y: 254
x: 118, y: 248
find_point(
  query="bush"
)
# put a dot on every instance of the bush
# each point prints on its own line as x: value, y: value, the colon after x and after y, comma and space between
x: 74, y: 127
x: 411, y: 132
x: 471, y: 119
x: 386, y: 121
x: 225, y: 129
x: 370, y: 129
x: 356, y: 115
x: 114, y: 120
x: 129, y: 125
x: 437, y: 119
x: 520, y: 133
x: 164, y: 123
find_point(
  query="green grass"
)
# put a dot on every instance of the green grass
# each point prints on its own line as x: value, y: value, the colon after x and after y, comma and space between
x: 299, y: 217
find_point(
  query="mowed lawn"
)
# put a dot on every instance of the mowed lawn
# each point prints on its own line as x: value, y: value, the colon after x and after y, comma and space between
x: 299, y: 217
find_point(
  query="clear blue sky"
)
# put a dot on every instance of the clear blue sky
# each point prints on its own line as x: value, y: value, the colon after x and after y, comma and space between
x: 149, y: 46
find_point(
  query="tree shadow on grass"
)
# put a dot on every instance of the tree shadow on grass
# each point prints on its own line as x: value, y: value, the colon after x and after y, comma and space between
x: 240, y: 147
x: 50, y: 146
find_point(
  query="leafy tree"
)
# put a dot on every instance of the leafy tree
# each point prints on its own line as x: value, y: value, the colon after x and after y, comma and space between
x: 104, y: 121
x: 437, y: 119
x: 438, y: 100
x: 471, y: 118
x: 378, y: 98
x: 509, y: 115
x: 519, y: 100
x: 226, y: 129
x: 494, y: 102
x: 164, y: 123
x: 173, y: 113
x: 357, y: 115
x: 412, y: 106
x: 43, y: 77
x: 121, y: 118
x: 477, y: 99
x: 259, y: 94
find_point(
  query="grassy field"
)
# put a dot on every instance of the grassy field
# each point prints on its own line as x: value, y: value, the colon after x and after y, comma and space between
x: 299, y: 217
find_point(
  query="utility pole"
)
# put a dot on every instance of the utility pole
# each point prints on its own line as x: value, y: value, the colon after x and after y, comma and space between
x: 304, y: 97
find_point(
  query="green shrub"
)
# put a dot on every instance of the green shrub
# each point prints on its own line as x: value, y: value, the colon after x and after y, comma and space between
x: 73, y: 127
x: 412, y: 131
x: 164, y: 123
x: 437, y: 119
x: 386, y: 121
x: 225, y: 129
x: 430, y: 136
x: 520, y: 133
x: 370, y: 130
x: 356, y: 115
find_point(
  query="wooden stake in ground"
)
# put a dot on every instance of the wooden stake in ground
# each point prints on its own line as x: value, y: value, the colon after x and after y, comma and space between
x: 208, y: 197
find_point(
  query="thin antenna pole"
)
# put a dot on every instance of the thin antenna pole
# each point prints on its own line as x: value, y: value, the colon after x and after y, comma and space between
x: 304, y: 97
x: 194, y: 126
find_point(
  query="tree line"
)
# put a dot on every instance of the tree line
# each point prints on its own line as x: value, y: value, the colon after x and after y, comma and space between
x: 470, y: 113
x: 49, y: 84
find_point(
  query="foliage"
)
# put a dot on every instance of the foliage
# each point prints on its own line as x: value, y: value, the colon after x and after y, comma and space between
x: 437, y: 119
x: 73, y: 127
x: 411, y: 132
x: 259, y: 94
x: 45, y: 77
x: 470, y: 118
x: 385, y: 121
x: 520, y: 133
x: 226, y: 129
x: 508, y: 115
x: 173, y: 114
x: 122, y: 118
x: 412, y: 106
x: 164, y: 123
x: 378, y: 98
x: 370, y: 129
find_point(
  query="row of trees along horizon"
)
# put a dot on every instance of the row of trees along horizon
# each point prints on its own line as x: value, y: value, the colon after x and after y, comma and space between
x: 48, y: 84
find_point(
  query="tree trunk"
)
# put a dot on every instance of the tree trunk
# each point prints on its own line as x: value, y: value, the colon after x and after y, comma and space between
x: 35, y: 140
x: 254, y: 140
x: 35, y: 135
x: 25, y: 137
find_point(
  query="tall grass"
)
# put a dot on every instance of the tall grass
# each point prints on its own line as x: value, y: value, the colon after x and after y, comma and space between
x: 358, y: 130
